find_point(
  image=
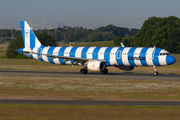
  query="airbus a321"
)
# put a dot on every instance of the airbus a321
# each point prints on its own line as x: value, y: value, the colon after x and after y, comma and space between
x: 94, y: 58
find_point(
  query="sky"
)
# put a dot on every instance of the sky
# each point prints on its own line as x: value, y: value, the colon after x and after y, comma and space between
x: 85, y: 13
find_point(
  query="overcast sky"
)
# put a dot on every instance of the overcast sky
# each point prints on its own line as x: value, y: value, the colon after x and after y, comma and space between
x: 85, y: 13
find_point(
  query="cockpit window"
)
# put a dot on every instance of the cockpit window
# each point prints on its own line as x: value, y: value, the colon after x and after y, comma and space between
x: 164, y: 54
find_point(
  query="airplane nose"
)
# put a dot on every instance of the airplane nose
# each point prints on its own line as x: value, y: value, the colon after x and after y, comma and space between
x: 170, y: 59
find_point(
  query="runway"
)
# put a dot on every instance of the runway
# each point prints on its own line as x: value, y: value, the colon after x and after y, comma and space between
x: 135, y: 76
x: 87, y: 102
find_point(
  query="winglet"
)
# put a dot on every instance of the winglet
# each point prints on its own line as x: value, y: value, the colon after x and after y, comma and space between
x: 122, y: 45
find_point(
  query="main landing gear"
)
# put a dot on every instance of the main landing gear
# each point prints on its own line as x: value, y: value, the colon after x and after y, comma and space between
x: 155, y: 73
x: 105, y: 71
x: 85, y: 71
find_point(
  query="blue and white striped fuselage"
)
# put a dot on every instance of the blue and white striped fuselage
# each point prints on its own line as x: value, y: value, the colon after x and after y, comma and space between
x: 121, y: 56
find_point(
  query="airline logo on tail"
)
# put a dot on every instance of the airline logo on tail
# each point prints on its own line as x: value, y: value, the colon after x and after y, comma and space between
x: 29, y: 38
x: 27, y: 33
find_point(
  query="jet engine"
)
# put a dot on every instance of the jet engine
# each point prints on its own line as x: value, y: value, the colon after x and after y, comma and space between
x: 96, y: 65
x: 126, y: 67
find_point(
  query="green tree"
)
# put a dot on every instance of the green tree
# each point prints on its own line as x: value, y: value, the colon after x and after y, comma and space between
x: 160, y: 32
x: 133, y: 31
x: 14, y: 45
x: 46, y: 39
x: 117, y: 40
x: 18, y: 43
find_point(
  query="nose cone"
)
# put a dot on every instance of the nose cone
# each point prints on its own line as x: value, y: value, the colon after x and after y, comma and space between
x: 170, y: 59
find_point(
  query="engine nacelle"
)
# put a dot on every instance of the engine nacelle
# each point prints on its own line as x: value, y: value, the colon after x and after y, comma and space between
x: 96, y: 65
x: 126, y: 67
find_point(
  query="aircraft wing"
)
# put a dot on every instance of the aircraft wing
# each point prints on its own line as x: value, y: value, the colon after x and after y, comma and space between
x: 67, y: 58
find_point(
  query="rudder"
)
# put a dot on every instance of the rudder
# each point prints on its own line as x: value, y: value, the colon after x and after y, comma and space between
x: 29, y: 38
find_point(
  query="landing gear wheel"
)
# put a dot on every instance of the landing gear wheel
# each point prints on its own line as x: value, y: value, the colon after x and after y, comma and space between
x: 155, y: 69
x: 156, y: 73
x: 105, y: 71
x: 83, y: 71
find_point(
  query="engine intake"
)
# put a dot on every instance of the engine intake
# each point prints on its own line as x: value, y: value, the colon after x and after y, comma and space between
x: 96, y: 65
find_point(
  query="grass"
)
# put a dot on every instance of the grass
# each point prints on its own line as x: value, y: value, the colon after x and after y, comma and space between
x: 87, y: 88
x: 76, y: 112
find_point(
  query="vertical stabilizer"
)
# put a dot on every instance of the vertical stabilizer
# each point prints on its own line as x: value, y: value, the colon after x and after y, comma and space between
x: 122, y: 45
x: 29, y: 38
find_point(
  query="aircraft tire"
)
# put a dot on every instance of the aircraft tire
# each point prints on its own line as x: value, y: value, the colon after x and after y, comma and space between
x: 83, y: 71
x: 156, y: 73
x: 105, y: 71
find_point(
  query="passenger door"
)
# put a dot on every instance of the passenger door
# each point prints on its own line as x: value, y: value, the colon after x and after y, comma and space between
x: 118, y: 54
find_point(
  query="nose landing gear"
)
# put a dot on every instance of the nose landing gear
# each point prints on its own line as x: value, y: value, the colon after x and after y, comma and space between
x: 155, y: 69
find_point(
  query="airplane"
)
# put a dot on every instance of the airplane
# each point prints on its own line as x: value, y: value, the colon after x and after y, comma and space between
x: 94, y: 58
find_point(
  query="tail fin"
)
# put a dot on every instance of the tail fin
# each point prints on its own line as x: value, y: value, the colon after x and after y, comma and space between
x: 122, y: 45
x: 29, y: 38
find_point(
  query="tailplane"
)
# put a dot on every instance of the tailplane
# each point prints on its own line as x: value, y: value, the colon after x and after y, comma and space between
x: 29, y: 38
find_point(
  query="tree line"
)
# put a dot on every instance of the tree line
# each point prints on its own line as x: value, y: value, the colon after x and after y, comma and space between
x: 9, y: 32
x: 78, y: 34
x: 159, y: 32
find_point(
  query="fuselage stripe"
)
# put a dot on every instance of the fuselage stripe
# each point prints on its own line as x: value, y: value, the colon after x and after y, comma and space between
x: 72, y: 53
x: 107, y: 56
x: 50, y: 52
x: 119, y: 55
x: 156, y: 57
x: 131, y: 56
x: 143, y: 55
x: 84, y: 52
x: 95, y: 53
x: 61, y: 53
x: 39, y: 56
